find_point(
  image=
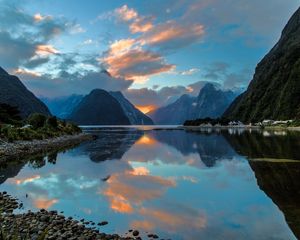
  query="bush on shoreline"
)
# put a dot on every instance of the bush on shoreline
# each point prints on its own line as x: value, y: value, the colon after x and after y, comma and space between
x: 37, y: 126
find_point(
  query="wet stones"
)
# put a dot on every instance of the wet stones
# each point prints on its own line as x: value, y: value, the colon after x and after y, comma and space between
x: 48, y: 225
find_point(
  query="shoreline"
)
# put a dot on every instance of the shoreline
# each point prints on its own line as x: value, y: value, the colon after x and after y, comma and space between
x: 20, y: 149
x: 45, y: 224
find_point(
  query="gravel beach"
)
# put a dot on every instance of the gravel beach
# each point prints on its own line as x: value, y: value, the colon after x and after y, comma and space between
x: 45, y: 225
x: 20, y: 149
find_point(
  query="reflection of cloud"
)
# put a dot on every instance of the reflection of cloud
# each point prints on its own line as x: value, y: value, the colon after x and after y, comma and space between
x: 133, y: 188
x: 44, y: 203
x: 140, y: 171
x: 170, y: 221
x: 25, y: 180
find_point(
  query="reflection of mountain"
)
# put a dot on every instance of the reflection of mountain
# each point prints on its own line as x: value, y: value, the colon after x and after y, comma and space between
x: 210, y: 147
x: 110, y: 145
x: 9, y: 171
x: 256, y: 145
x: 280, y: 181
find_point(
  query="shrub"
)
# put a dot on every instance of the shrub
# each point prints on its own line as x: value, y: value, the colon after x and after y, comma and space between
x: 37, y: 120
x: 52, y: 122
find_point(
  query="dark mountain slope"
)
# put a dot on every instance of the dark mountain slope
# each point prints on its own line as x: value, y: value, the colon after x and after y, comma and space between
x: 135, y: 116
x: 99, y: 108
x: 14, y: 93
x: 211, y: 102
x: 274, y: 92
x: 62, y: 107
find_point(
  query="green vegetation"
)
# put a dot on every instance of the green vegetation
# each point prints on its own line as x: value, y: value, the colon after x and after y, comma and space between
x: 36, y: 126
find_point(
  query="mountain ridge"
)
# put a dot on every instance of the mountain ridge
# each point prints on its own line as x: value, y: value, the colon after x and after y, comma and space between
x: 210, y: 102
x: 14, y: 93
x: 274, y: 92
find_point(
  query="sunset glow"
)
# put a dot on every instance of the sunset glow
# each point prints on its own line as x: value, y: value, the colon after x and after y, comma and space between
x: 146, y: 109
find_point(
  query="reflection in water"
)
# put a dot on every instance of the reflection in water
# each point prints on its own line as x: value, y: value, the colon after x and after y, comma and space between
x: 266, y: 144
x: 109, y: 146
x: 281, y: 182
x: 177, y: 184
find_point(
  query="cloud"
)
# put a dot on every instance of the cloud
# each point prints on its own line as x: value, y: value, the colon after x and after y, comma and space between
x: 173, y: 35
x: 65, y: 83
x: 147, y: 98
x: 190, y: 71
x: 221, y: 72
x: 253, y: 21
x: 141, y: 25
x: 125, y: 13
x: 23, y: 35
x: 142, y: 56
x: 45, y: 50
x: 136, y: 64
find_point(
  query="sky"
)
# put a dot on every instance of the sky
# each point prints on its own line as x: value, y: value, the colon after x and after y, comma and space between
x: 153, y: 51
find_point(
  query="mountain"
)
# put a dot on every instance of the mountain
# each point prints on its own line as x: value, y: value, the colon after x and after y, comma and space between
x: 14, y: 93
x: 135, y: 116
x: 99, y: 108
x: 62, y: 107
x: 274, y: 92
x: 174, y: 113
x: 211, y: 102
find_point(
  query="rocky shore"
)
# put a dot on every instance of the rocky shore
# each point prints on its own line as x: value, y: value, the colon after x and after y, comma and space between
x: 45, y: 225
x: 19, y: 149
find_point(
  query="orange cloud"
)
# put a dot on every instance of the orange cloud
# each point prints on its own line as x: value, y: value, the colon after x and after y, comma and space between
x: 23, y: 71
x: 140, y: 25
x: 44, y: 203
x: 121, y: 46
x: 126, y: 14
x: 146, y: 109
x: 45, y: 50
x: 173, y: 31
x: 136, y: 64
x: 140, y: 171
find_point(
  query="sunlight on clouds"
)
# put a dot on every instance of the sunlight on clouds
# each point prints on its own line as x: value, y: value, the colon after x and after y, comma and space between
x: 121, y: 46
x: 140, y: 171
x: 38, y: 17
x: 125, y: 13
x: 172, y: 31
x: 47, y: 49
x: 24, y: 71
x: 141, y: 25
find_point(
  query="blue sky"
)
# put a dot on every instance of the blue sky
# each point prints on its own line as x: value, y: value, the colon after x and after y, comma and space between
x: 154, y: 50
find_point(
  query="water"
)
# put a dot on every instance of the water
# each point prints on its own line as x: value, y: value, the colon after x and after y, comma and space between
x: 177, y: 184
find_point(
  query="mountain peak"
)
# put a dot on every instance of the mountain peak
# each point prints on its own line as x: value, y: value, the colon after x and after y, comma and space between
x: 293, y: 24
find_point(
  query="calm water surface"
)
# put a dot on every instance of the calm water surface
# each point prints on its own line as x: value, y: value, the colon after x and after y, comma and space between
x: 177, y: 184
